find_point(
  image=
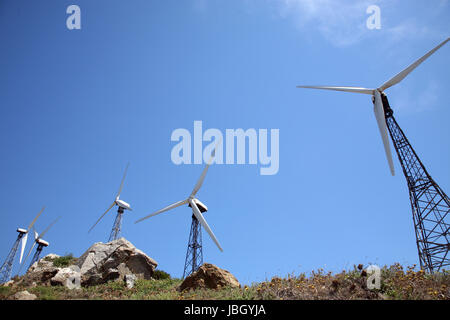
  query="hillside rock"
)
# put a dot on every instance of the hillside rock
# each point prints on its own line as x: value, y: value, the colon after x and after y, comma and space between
x: 24, y: 295
x: 103, y: 262
x: 68, y: 277
x: 9, y: 283
x: 209, y: 276
x: 40, y: 272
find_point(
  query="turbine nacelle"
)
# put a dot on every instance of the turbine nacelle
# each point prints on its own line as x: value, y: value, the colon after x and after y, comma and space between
x: 42, y: 242
x: 20, y: 230
x: 123, y: 204
x: 201, y: 206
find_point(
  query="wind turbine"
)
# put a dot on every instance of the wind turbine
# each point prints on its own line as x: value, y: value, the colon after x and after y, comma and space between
x: 194, y: 255
x: 5, y: 270
x: 122, y: 205
x: 40, y: 242
x: 430, y: 205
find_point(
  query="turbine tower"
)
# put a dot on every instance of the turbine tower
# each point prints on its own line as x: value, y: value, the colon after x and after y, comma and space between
x: 194, y: 254
x: 122, y: 206
x: 6, y: 269
x: 429, y: 203
x: 41, y: 244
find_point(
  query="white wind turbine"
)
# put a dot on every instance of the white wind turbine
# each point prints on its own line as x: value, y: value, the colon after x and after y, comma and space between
x: 122, y: 205
x: 377, y: 99
x: 6, y: 267
x: 194, y: 254
x: 38, y: 239
x: 194, y: 203
x: 430, y: 205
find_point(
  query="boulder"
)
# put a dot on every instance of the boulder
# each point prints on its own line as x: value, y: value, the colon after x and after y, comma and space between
x: 24, y: 295
x: 68, y: 277
x: 40, y: 272
x: 101, y: 263
x: 9, y: 283
x: 104, y: 262
x: 51, y: 257
x: 209, y: 276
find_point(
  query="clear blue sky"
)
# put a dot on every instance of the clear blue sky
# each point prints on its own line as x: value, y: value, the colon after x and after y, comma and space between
x: 77, y: 105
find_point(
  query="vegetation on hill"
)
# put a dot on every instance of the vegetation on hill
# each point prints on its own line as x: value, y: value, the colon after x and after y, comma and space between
x: 64, y: 261
x: 396, y: 283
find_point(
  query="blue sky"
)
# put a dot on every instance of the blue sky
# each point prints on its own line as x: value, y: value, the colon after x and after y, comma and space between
x: 77, y: 105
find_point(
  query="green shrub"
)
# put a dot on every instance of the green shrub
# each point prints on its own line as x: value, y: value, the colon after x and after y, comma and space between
x: 4, y: 292
x: 160, y: 275
x: 65, y: 261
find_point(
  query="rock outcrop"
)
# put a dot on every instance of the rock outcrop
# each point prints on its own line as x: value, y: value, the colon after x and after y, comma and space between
x: 9, y: 283
x: 40, y: 272
x: 104, y: 262
x: 68, y: 277
x: 24, y: 295
x: 209, y: 276
x: 101, y: 263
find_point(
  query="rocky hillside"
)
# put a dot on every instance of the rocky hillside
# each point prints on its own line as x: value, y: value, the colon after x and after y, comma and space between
x: 118, y: 270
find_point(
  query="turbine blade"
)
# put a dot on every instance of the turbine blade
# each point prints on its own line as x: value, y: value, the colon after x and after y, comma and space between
x: 112, y: 205
x: 48, y: 228
x: 346, y: 89
x: 174, y: 205
x: 401, y: 75
x: 121, y: 183
x: 34, y: 220
x: 24, y: 243
x: 29, y: 252
x: 381, y: 120
x: 203, y: 222
x: 199, y: 183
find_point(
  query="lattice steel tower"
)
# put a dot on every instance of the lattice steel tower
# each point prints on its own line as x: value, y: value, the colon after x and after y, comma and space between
x: 6, y: 269
x: 116, y: 229
x: 41, y: 244
x: 194, y: 254
x: 429, y: 203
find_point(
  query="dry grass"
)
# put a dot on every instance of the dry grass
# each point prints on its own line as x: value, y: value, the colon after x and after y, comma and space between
x: 396, y: 283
